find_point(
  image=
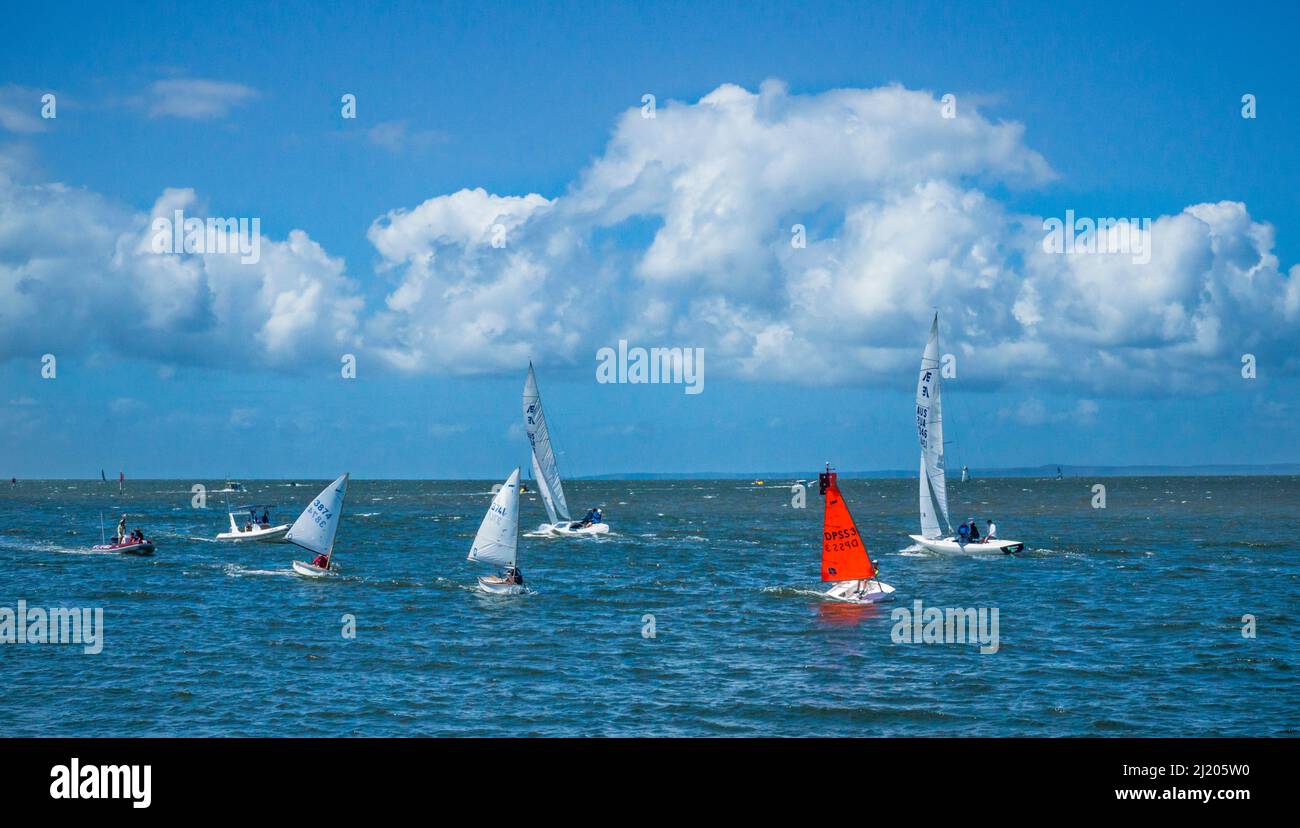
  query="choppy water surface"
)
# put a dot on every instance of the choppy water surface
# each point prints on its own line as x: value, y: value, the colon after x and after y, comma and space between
x: 1122, y: 621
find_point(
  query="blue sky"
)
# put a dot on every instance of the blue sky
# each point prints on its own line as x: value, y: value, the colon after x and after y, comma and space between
x: 668, y: 231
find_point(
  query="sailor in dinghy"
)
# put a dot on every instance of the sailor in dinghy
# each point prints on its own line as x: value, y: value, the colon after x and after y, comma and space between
x: 315, y: 528
x: 933, y: 486
x: 844, y: 555
x: 497, y: 541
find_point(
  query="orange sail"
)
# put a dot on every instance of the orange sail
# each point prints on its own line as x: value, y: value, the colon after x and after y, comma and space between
x: 844, y: 555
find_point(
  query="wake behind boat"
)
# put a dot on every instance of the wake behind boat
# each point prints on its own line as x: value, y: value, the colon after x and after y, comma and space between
x: 933, y: 486
x: 845, y: 560
x: 547, y: 474
x: 497, y: 541
x: 315, y: 528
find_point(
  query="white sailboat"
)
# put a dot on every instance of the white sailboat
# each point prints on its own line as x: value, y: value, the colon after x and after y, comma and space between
x: 933, y: 486
x: 546, y: 473
x: 497, y: 541
x: 315, y: 528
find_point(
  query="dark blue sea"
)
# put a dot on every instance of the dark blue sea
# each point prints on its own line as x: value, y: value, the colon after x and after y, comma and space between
x: 699, y: 616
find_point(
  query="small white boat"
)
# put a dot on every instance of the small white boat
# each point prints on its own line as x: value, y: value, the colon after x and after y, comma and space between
x: 845, y: 560
x: 499, y: 585
x: 860, y: 592
x: 933, y: 494
x: 252, y: 528
x: 953, y: 546
x: 567, y: 527
x: 315, y: 528
x: 307, y: 570
x: 546, y: 472
x: 497, y: 541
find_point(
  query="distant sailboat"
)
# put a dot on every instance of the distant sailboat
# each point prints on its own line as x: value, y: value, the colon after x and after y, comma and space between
x: 933, y: 487
x: 546, y: 474
x: 497, y: 541
x: 315, y: 528
x: 121, y: 480
x: 845, y: 559
x: 103, y: 476
x: 965, y: 474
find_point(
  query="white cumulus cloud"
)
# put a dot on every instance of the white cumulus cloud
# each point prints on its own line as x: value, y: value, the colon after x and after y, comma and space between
x: 195, y: 98
x: 679, y: 233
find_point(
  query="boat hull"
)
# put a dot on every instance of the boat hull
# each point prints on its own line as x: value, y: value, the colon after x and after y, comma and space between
x: 274, y: 534
x: 497, y: 586
x: 308, y: 571
x: 565, y: 528
x: 141, y: 549
x: 950, y: 546
x: 860, y: 592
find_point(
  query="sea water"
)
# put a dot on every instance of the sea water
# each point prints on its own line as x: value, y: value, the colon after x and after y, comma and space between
x: 1170, y: 612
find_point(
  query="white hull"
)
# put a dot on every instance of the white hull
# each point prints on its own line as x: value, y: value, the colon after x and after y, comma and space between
x: 496, y: 586
x: 304, y: 568
x: 564, y: 527
x: 950, y: 546
x: 860, y: 592
x: 273, y: 534
x: 145, y: 548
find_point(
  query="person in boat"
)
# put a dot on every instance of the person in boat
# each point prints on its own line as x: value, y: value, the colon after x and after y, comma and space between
x: 137, y: 536
x: 974, y: 531
x: 963, y: 534
x: 266, y: 519
x: 991, y: 533
x: 321, y: 562
x: 121, y: 530
x: 514, y: 576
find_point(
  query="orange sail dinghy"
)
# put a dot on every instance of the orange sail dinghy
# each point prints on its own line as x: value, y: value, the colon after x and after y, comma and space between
x: 844, y: 555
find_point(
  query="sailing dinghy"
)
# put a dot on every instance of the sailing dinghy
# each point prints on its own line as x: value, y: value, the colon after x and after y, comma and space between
x: 497, y: 541
x: 933, y: 488
x: 845, y: 560
x: 545, y: 471
x: 315, y: 528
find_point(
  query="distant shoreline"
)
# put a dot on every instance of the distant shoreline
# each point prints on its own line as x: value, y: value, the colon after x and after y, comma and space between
x: 954, y: 474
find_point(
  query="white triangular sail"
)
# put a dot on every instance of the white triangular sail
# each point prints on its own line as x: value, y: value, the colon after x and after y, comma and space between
x: 545, y: 470
x: 929, y: 523
x: 543, y: 489
x: 497, y: 541
x: 929, y: 427
x: 315, y: 528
